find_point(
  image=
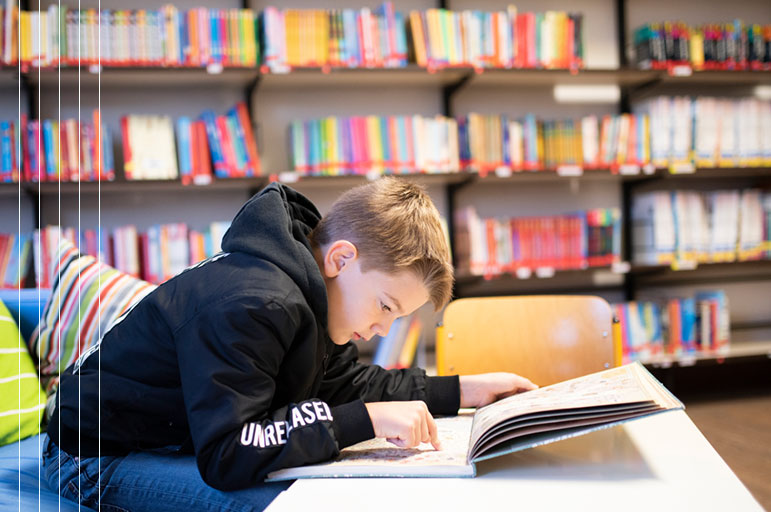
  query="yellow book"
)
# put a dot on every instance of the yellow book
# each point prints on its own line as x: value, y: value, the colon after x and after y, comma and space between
x: 291, y: 21
x: 375, y: 144
x: 323, y: 17
x: 435, y: 33
x: 697, y: 49
x: 250, y: 41
x: 26, y: 36
x: 334, y: 160
x: 419, y: 38
x: 452, y: 55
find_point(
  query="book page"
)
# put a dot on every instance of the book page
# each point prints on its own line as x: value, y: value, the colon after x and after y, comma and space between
x: 378, y: 457
x: 622, y: 385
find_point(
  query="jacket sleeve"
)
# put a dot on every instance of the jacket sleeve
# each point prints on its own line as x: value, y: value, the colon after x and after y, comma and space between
x: 229, y: 356
x: 347, y: 379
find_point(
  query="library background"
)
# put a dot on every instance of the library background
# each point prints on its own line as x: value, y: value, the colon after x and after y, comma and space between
x: 617, y: 148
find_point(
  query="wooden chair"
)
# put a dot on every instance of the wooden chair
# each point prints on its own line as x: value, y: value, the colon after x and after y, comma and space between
x: 548, y: 338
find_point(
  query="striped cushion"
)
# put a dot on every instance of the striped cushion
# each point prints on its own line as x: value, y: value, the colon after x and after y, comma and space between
x: 86, y: 297
x: 21, y: 399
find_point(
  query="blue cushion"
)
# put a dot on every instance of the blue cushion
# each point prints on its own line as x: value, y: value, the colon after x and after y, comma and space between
x: 31, y: 494
x: 29, y: 310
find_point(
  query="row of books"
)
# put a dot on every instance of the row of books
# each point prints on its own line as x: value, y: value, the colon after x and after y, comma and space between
x: 52, y: 150
x: 499, y: 39
x: 491, y: 142
x: 140, y: 37
x: 724, y: 46
x: 155, y: 255
x: 676, y: 326
x: 398, y: 348
x: 489, y: 246
x: 708, y: 132
x: 359, y: 145
x: 368, y: 38
x: 689, y: 227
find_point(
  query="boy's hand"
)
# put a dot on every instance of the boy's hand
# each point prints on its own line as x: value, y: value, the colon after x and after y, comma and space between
x: 486, y: 388
x: 405, y: 424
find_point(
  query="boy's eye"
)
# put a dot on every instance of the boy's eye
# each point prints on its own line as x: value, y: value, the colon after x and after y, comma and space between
x: 383, y: 307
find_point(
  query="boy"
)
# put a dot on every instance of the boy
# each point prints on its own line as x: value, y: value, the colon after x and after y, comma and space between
x: 244, y: 360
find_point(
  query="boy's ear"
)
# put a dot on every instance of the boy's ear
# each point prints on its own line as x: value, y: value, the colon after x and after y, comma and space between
x: 338, y: 255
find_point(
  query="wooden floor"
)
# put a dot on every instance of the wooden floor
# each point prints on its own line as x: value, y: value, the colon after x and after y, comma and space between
x: 739, y: 428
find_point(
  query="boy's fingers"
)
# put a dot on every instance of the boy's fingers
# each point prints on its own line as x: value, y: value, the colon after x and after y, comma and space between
x: 425, y: 436
x: 433, y: 432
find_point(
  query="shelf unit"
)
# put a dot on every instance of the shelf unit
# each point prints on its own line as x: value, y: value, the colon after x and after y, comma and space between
x: 447, y: 92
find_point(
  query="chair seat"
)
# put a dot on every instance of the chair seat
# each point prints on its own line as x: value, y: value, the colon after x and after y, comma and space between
x: 23, y: 459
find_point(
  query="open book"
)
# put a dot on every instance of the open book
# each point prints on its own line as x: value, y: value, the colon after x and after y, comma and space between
x: 545, y: 415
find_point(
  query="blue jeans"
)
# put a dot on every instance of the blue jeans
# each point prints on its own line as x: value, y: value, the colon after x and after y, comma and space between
x: 142, y: 480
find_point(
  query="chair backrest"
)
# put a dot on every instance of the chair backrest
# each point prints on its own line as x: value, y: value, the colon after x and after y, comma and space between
x: 548, y: 338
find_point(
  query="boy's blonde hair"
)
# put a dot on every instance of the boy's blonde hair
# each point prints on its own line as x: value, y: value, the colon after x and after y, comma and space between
x: 395, y: 227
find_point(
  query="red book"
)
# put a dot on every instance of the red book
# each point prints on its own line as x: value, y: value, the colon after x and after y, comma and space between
x: 492, y: 261
x: 4, y: 253
x: 570, y: 50
x: 64, y: 164
x: 128, y: 164
x: 224, y: 40
x: 203, y: 168
x: 98, y: 156
x: 227, y: 147
x: 251, y: 144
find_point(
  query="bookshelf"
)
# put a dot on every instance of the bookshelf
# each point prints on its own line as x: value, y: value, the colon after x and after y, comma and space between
x: 307, y: 93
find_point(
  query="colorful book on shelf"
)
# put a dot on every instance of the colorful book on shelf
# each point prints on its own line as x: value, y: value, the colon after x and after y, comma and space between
x: 142, y: 37
x: 372, y: 144
x: 500, y: 39
x: 148, y: 148
x: 567, y: 409
x: 726, y: 46
x: 677, y: 327
x: 296, y: 38
x: 490, y: 247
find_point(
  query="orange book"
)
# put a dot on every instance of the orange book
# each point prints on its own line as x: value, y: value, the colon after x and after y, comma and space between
x: 192, y: 54
x: 419, y: 38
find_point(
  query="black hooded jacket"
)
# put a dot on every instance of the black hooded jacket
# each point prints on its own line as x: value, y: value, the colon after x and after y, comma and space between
x: 231, y: 360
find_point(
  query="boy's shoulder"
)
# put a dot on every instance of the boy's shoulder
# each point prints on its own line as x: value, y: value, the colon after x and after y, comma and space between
x: 224, y: 281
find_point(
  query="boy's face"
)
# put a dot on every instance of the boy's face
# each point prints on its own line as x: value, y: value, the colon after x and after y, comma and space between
x: 362, y: 304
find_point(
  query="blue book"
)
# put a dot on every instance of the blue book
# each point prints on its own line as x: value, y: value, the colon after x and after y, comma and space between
x: 108, y: 158
x: 6, y: 148
x: 215, y: 145
x: 351, y: 30
x: 184, y: 148
x: 215, y: 35
x: 504, y: 120
x: 386, y: 143
x: 48, y: 149
x: 401, y: 39
x: 314, y: 127
x: 239, y: 142
x: 688, y: 323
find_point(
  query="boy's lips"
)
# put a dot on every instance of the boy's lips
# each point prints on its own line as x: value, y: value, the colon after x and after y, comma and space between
x: 356, y: 336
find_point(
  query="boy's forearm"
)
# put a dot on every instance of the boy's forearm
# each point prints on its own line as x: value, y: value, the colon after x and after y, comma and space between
x: 443, y: 395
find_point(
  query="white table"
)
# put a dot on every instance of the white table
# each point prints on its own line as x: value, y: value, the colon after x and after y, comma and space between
x: 658, y: 463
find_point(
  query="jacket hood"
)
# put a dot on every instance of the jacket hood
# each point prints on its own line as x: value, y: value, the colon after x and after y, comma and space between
x: 274, y: 226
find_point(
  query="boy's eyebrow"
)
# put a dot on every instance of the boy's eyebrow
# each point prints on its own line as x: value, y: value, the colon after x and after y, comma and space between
x: 396, y: 302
